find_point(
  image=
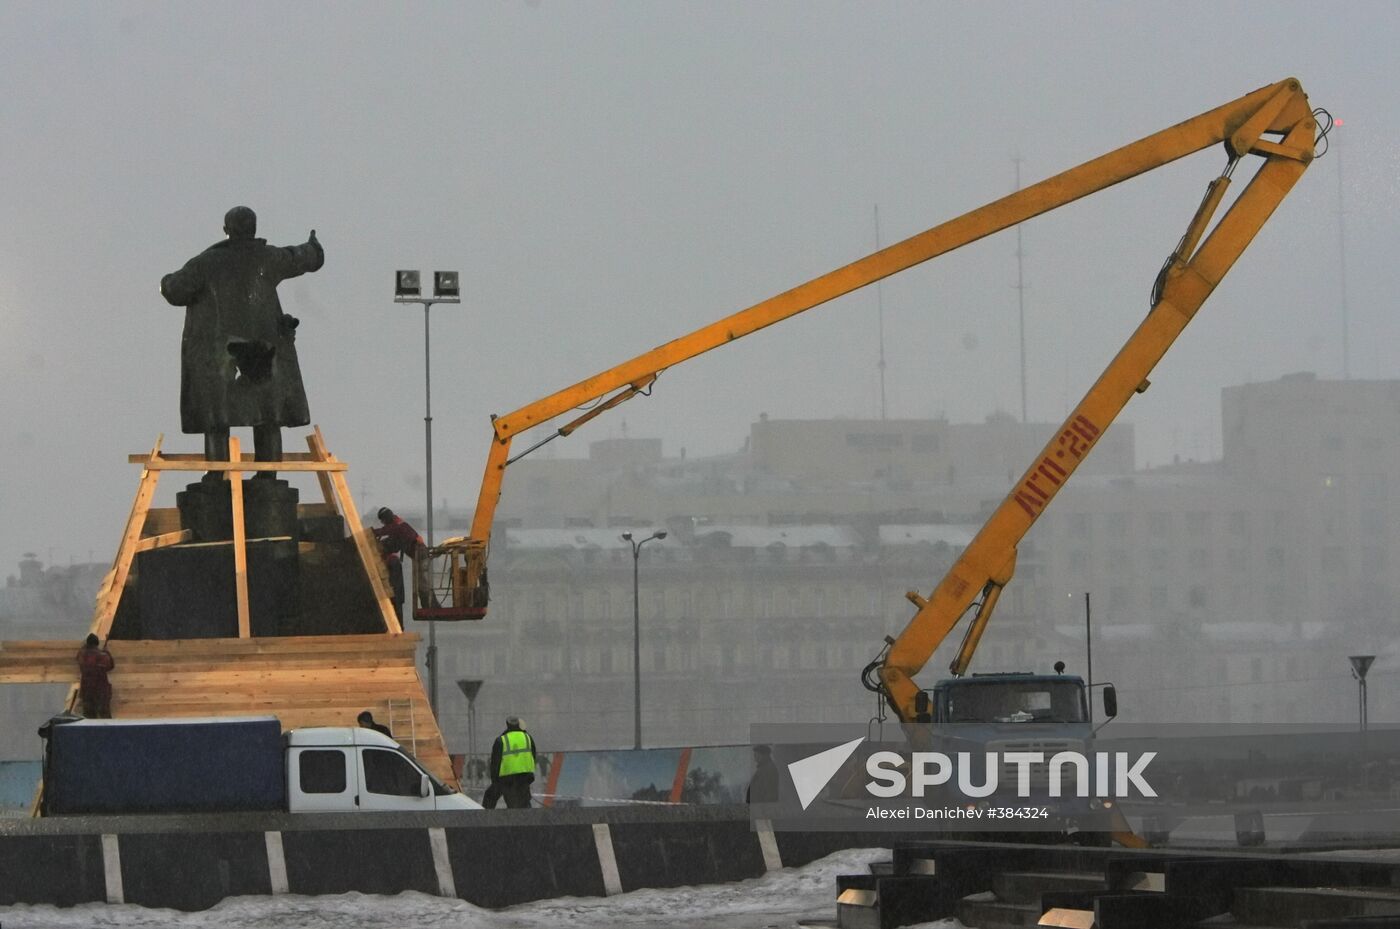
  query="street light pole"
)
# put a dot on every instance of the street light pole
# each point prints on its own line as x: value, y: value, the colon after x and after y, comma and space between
x: 1360, y: 664
x: 637, y: 633
x: 407, y: 289
x: 1089, y: 652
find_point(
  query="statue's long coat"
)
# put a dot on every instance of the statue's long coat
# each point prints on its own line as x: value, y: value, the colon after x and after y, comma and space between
x: 238, y: 356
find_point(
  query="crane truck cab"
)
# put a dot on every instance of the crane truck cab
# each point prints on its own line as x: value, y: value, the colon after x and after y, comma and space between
x: 1006, y: 714
x: 1016, y: 698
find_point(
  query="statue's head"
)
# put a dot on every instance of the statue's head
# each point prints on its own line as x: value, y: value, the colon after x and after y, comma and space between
x: 240, y: 223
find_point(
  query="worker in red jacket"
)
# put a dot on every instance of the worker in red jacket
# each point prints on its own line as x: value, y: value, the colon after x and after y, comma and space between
x: 94, y: 690
x: 397, y: 536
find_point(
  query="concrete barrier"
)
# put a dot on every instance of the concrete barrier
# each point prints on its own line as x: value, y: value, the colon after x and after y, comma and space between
x: 493, y: 858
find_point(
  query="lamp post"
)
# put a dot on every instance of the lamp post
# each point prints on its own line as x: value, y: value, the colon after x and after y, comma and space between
x: 1360, y: 664
x: 408, y: 289
x: 637, y: 633
x: 469, y: 690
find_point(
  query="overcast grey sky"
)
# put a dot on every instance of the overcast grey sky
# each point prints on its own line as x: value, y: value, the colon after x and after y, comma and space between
x: 607, y: 176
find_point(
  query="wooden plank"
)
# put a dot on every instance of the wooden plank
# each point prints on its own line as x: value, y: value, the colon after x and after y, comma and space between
x: 344, y: 661
x: 164, y: 465
x: 318, y: 453
x: 40, y: 674
x: 240, y: 543
x: 106, y: 608
x: 164, y: 540
x: 199, y: 458
x: 260, y: 700
x: 368, y: 551
x: 315, y: 648
x: 160, y: 520
x: 289, y: 676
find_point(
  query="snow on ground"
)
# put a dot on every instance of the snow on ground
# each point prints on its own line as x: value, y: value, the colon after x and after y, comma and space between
x: 776, y: 901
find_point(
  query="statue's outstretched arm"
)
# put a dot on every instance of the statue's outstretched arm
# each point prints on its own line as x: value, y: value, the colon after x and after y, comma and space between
x: 302, y: 259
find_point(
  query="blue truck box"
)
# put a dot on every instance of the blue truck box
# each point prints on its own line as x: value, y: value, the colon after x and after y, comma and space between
x: 184, y: 766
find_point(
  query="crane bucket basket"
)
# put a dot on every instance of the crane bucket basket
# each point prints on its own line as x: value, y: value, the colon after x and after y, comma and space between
x: 455, y: 576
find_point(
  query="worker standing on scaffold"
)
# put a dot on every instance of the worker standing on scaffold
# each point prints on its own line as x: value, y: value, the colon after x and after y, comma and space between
x: 397, y: 536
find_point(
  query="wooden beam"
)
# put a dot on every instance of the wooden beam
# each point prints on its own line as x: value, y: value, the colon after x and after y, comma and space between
x: 364, y: 541
x: 111, y: 594
x: 195, y: 456
x: 199, y: 464
x: 318, y: 453
x: 164, y: 540
x: 160, y: 520
x: 240, y: 542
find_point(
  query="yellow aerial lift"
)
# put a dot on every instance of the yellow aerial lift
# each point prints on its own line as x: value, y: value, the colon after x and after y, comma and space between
x: 459, y: 575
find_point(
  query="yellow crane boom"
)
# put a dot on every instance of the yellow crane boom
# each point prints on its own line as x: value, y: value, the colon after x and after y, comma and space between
x: 984, y: 568
x: 1280, y: 109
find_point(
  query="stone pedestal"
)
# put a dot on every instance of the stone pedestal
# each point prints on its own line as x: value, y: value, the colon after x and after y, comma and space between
x: 187, y: 591
x: 269, y: 510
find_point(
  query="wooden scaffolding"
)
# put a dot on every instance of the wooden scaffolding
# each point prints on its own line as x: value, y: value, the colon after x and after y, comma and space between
x: 304, y: 680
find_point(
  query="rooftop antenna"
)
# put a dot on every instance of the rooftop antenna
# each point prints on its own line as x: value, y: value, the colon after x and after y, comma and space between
x: 1342, y: 248
x: 880, y: 317
x: 1021, y: 295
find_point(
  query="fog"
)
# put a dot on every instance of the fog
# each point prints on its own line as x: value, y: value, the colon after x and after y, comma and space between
x: 608, y: 176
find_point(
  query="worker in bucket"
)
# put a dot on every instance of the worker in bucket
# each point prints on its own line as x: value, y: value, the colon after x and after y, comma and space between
x: 512, y: 767
x: 94, y: 690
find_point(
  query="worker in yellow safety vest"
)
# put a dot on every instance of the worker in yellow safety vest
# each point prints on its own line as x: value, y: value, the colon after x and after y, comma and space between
x: 512, y: 767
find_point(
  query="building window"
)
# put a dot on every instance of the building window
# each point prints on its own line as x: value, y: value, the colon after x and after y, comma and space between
x: 876, y: 440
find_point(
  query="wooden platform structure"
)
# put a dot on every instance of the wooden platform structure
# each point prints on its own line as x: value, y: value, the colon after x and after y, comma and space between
x: 303, y: 680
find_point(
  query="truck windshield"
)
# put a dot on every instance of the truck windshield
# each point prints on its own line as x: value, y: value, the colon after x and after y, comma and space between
x: 984, y: 701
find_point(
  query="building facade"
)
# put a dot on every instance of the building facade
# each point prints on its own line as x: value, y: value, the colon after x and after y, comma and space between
x: 1229, y: 590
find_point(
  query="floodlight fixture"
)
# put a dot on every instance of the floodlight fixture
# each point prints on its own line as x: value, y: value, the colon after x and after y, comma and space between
x: 445, y: 285
x: 407, y: 284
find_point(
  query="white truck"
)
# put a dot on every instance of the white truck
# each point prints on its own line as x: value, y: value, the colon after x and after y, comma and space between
x: 228, y: 764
